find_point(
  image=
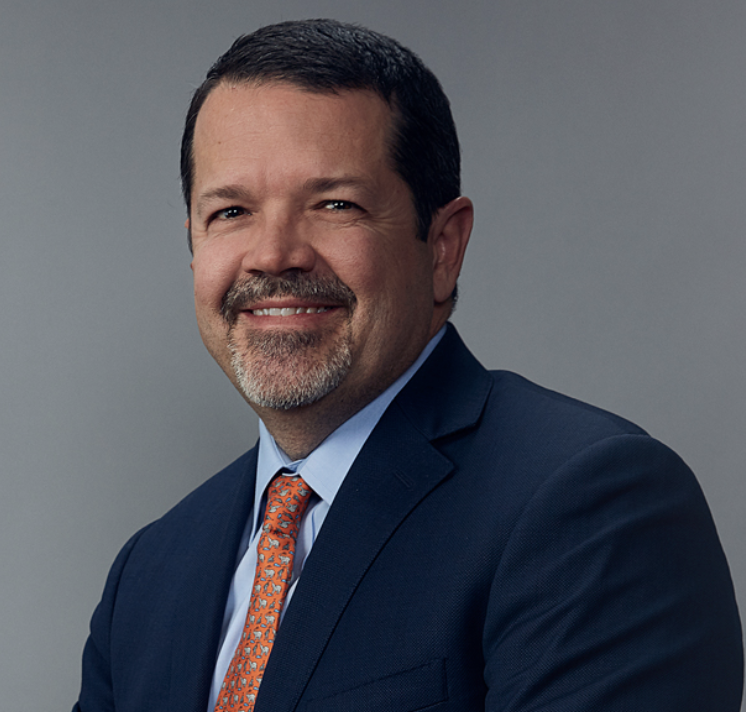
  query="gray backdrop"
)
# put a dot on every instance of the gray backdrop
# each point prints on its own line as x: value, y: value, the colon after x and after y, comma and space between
x: 604, y: 148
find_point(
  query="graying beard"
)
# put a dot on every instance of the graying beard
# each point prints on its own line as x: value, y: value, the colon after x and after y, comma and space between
x: 306, y: 386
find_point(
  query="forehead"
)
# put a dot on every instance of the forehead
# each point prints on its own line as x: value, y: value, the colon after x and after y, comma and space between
x: 258, y: 120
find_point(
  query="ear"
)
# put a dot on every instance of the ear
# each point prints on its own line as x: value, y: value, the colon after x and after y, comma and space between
x: 449, y: 235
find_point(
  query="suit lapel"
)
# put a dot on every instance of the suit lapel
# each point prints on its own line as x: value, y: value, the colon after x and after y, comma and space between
x: 397, y: 468
x: 199, y: 620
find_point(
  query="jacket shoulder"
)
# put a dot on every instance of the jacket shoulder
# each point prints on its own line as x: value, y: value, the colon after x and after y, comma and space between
x: 218, y: 498
x: 530, y: 403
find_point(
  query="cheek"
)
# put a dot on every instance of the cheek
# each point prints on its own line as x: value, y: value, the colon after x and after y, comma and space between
x: 205, y: 293
x: 207, y: 309
x: 213, y: 275
x: 394, y: 291
x: 214, y: 332
x: 211, y: 281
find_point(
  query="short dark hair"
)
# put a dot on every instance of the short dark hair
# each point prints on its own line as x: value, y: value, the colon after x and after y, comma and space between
x: 326, y: 56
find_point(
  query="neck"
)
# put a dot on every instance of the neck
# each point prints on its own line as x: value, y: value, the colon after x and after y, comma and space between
x: 299, y: 431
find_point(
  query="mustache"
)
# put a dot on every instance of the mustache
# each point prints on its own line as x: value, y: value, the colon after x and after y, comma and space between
x: 299, y: 285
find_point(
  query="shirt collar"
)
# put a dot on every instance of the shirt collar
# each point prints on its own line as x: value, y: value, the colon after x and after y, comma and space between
x: 326, y: 467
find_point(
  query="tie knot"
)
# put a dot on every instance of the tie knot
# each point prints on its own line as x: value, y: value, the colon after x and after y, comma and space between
x: 287, y: 500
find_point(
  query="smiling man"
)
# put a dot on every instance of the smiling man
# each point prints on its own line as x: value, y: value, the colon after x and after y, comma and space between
x: 312, y: 290
x: 412, y: 531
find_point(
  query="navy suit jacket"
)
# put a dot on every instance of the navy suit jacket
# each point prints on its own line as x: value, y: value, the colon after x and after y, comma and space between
x: 494, y: 546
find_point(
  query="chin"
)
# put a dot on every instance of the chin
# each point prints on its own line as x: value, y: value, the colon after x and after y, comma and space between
x: 284, y: 370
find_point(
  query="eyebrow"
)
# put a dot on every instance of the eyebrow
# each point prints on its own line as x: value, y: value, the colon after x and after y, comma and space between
x: 322, y: 185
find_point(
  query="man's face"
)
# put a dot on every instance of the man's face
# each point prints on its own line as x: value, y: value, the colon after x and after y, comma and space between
x: 309, y: 279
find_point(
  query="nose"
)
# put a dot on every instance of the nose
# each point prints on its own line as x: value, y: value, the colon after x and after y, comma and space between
x: 279, y: 245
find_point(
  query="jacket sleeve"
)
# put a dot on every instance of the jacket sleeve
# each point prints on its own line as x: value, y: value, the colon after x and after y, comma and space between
x: 613, y: 593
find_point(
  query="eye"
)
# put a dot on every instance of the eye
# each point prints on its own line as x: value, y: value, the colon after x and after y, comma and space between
x: 339, y: 205
x: 231, y: 213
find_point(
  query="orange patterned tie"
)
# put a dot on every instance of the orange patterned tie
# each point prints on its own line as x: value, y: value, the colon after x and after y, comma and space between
x: 287, y: 500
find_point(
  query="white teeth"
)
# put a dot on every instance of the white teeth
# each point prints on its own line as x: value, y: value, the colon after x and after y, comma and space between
x: 289, y: 311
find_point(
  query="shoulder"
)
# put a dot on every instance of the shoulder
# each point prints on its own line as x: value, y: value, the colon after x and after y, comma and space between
x: 226, y: 496
x: 556, y: 447
x: 453, y: 393
x: 521, y: 440
x: 524, y: 406
x: 194, y: 533
x: 527, y: 436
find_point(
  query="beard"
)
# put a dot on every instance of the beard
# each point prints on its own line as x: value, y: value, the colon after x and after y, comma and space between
x: 286, y: 369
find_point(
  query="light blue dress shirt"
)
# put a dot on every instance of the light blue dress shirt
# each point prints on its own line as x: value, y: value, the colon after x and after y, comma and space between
x: 323, y: 470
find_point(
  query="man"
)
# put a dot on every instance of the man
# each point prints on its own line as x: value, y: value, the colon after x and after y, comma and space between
x: 486, y: 544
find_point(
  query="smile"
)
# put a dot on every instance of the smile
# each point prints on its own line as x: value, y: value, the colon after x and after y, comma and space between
x: 289, y: 311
